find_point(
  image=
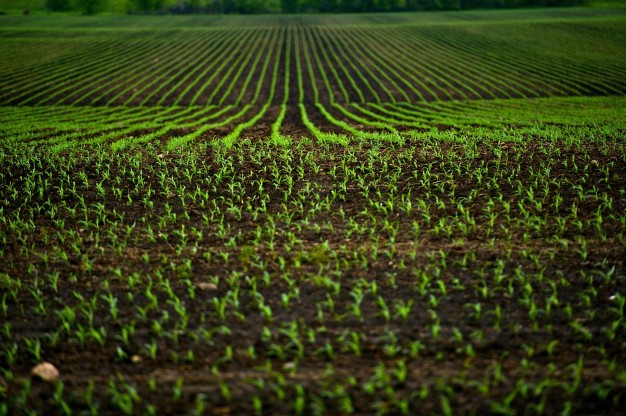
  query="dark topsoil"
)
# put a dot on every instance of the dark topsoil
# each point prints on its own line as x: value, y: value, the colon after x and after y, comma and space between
x: 302, y: 355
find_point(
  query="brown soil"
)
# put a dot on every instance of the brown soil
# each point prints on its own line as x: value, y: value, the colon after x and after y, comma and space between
x: 447, y: 369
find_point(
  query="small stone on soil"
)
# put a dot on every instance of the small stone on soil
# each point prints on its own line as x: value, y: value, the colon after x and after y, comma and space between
x: 289, y: 366
x: 45, y: 372
x: 207, y: 286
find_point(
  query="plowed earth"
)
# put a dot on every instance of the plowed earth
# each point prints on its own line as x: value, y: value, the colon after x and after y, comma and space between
x: 309, y: 270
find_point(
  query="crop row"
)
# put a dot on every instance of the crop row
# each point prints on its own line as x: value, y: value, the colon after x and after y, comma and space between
x: 292, y: 76
x: 62, y: 127
x: 353, y: 64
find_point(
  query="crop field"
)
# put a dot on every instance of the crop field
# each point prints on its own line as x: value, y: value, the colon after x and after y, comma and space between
x: 417, y: 213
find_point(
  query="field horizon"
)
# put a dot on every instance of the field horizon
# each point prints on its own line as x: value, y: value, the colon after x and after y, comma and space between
x: 118, y: 7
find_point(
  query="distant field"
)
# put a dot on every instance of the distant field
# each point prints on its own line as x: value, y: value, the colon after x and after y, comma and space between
x: 420, y: 214
x: 180, y: 79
